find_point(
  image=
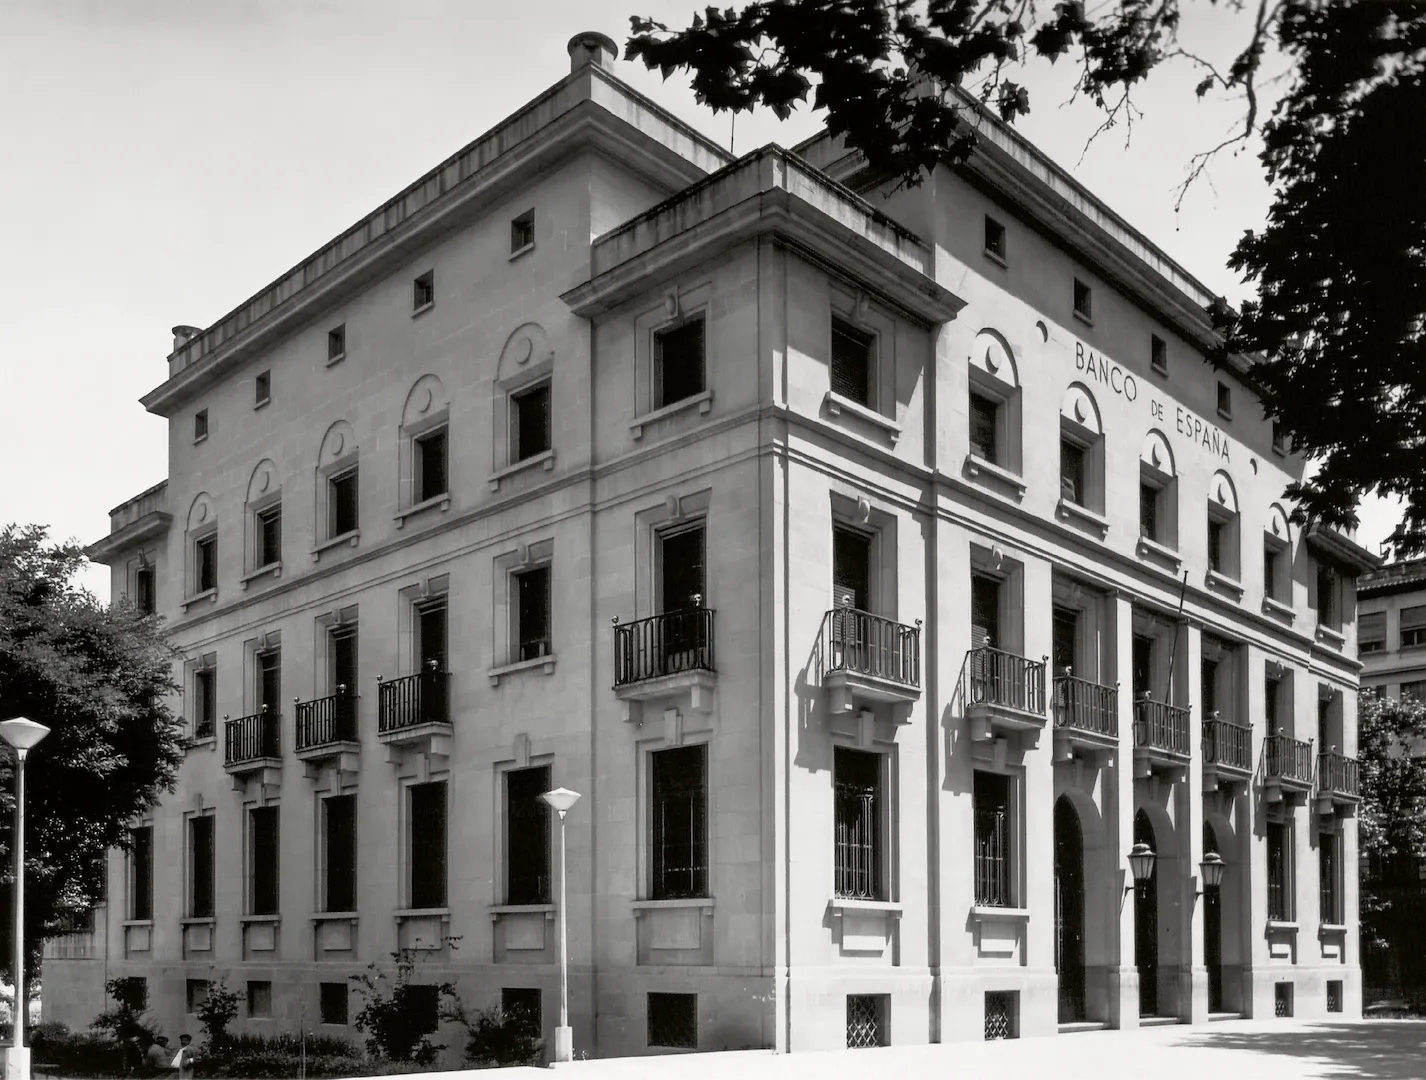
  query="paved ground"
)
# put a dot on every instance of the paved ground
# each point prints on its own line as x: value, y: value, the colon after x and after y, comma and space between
x: 1256, y: 1049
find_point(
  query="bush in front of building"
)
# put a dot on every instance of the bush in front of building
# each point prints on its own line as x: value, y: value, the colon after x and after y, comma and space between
x: 217, y: 1010
x: 497, y: 1037
x: 127, y: 1023
x: 77, y: 1053
x: 398, y: 1016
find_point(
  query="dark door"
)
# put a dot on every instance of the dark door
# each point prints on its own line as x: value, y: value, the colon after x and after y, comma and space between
x: 1062, y: 641
x: 1213, y: 931
x: 1146, y: 925
x: 1143, y: 661
x: 432, y: 632
x: 682, y: 588
x: 344, y: 682
x: 1069, y: 911
x: 985, y: 673
x: 851, y: 594
x: 270, y: 682
x: 1209, y: 690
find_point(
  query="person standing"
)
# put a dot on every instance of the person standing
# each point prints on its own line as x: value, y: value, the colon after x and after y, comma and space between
x: 158, y: 1055
x: 183, y: 1060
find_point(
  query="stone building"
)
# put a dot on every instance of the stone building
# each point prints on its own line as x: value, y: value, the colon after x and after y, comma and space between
x: 881, y: 567
x: 1391, y: 634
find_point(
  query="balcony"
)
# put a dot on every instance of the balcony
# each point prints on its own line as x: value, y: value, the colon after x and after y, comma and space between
x: 665, y: 656
x: 414, y: 712
x: 1287, y: 769
x: 1086, y: 718
x: 1338, y: 783
x: 252, y: 747
x: 868, y: 659
x: 1160, y: 738
x: 1004, y: 695
x: 327, y: 731
x: 1227, y: 753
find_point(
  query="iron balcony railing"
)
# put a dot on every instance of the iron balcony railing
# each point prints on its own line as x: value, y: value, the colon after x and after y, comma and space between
x: 417, y: 699
x: 666, y: 644
x: 861, y: 643
x: 1286, y: 758
x: 1338, y: 774
x: 327, y: 720
x: 1085, y: 706
x: 1228, y: 744
x: 1162, y: 727
x: 1001, y: 678
x: 249, y: 738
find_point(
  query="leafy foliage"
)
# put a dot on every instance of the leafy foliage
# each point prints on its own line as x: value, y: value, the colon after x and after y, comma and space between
x: 218, y: 1010
x: 1391, y: 821
x: 127, y: 1022
x: 96, y: 676
x: 1338, y: 331
x: 498, y: 1038
x: 397, y: 1015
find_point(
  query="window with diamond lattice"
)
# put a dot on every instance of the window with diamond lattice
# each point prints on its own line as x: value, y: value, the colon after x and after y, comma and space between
x: 678, y: 820
x: 992, y: 840
x: 673, y: 1020
x: 866, y: 1021
x: 1334, y: 995
x: 1000, y: 1014
x: 1282, y: 999
x: 856, y: 783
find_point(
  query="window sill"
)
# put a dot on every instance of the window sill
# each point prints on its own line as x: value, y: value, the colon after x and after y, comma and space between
x: 422, y: 913
x: 521, y: 251
x: 837, y: 404
x: 188, y: 920
x: 1282, y: 926
x: 211, y: 595
x: 702, y: 402
x: 273, y: 568
x: 984, y: 913
x: 1088, y: 320
x: 1415, y: 647
x: 682, y: 902
x: 976, y: 465
x: 202, y: 742
x: 200, y: 439
x: 1332, y: 928
x: 416, y: 312
x: 334, y: 360
x: 246, y: 919
x: 1335, y: 638
x: 1224, y: 415
x: 1224, y: 582
x: 1159, y: 553
x: 499, y: 910
x: 349, y: 538
x: 1277, y: 607
x: 497, y: 673
x: 1280, y: 451
x: 443, y: 500
x: 1067, y: 509
x: 998, y: 260
x: 1157, y: 370
x: 334, y: 916
x: 264, y: 403
x: 840, y: 904
x: 545, y: 458
x: 138, y: 922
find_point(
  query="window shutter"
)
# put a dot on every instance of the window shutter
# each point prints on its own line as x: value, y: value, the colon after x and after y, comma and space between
x: 1413, y: 618
x: 851, y: 569
x: 851, y: 363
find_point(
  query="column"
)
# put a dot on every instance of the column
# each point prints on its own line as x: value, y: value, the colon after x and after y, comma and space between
x: 1119, y: 826
x: 1039, y: 811
x: 1188, y: 824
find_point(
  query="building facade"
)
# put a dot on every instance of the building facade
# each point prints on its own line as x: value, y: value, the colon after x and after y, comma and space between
x: 882, y: 567
x: 1391, y: 637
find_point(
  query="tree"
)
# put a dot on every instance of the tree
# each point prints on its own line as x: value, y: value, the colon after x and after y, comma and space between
x: 96, y: 677
x: 1337, y: 332
x: 1391, y: 820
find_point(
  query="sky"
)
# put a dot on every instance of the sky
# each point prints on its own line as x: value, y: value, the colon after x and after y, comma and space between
x: 163, y: 160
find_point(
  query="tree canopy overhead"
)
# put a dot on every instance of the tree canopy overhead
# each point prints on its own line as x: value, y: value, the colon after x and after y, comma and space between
x: 1338, y: 329
x: 96, y: 676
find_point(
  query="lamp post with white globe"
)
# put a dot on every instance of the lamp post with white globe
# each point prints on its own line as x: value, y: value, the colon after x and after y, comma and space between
x: 561, y: 801
x: 22, y: 735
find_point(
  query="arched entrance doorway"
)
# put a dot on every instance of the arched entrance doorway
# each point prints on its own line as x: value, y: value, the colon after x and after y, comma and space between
x: 1213, y: 930
x: 1069, y: 911
x: 1146, y: 924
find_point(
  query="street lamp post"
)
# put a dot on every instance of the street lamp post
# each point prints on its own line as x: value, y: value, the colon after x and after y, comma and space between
x: 22, y: 735
x: 561, y: 801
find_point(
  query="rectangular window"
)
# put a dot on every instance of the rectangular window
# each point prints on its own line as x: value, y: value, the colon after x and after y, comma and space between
x: 857, y: 794
x: 333, y: 1004
x: 527, y: 836
x: 681, y: 564
x: 1083, y: 300
x: 1413, y: 626
x: 1329, y: 873
x: 1279, y: 438
x: 423, y: 291
x: 984, y: 418
x: 1371, y: 632
x: 339, y: 853
x: 530, y: 411
x: 1002, y: 1014
x: 344, y: 659
x: 262, y: 389
x: 1272, y: 564
x: 195, y: 994
x: 1272, y: 696
x: 269, y: 681
x: 994, y: 239
x: 336, y: 343
x: 1327, y: 599
x: 428, y: 845
x: 200, y: 425
x: 984, y: 612
x: 1158, y: 354
x: 1334, y: 995
x: 269, y: 540
x: 259, y: 1000
x: 678, y: 822
x: 1217, y: 545
x: 431, y: 635
x: 851, y: 362
x: 1064, y: 631
x: 1225, y: 401
x: 1149, y: 512
x: 342, y: 504
x: 145, y: 594
x: 141, y: 873
x: 1413, y: 691
x: 532, y: 631
x: 1279, y: 873
x: 851, y: 569
x: 523, y: 1005
x: 1142, y: 661
x: 430, y: 463
x: 205, y: 702
x: 678, y: 363
x: 994, y: 864
x: 263, y: 860
x: 425, y: 1002
x: 200, y: 866
x: 206, y: 572
x: 673, y: 1020
x: 1072, y: 472
x: 866, y: 1020
x: 1324, y: 722
x: 522, y: 231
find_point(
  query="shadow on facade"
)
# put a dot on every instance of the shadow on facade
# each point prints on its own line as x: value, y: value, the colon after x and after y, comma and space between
x: 1371, y: 1050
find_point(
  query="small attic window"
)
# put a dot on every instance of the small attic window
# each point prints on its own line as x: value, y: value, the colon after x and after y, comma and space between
x: 522, y: 232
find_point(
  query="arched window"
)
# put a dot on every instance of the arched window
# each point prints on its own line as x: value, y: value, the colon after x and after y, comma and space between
x: 1223, y: 532
x: 1081, y: 459
x: 201, y: 545
x: 1158, y: 493
x: 994, y: 413
x: 263, y: 513
x: 425, y: 449
x: 1277, y: 559
x: 338, y: 476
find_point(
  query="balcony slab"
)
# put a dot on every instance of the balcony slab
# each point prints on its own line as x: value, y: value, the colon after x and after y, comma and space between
x: 846, y: 689
x: 696, y: 687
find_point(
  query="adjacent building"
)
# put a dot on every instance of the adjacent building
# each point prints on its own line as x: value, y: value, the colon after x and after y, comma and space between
x: 913, y: 607
x: 1391, y: 636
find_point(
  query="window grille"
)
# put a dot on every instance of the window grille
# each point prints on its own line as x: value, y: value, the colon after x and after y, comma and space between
x: 1334, y: 995
x: 1282, y: 999
x: 1278, y: 899
x: 857, y: 787
x: 1328, y: 875
x: 1000, y: 1014
x: 678, y: 818
x: 866, y: 1021
x: 673, y: 1020
x: 992, y: 840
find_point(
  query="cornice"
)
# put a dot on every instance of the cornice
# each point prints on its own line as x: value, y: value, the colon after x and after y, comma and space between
x: 1339, y: 549
x: 154, y: 523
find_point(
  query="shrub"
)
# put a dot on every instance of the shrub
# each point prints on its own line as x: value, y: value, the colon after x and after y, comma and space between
x: 397, y: 1015
x: 219, y: 1008
x: 77, y: 1054
x: 125, y: 1023
x: 502, y: 1038
x: 282, y: 1064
